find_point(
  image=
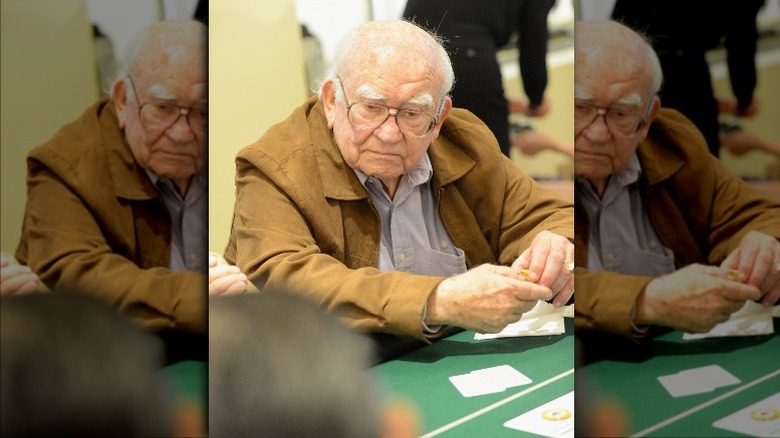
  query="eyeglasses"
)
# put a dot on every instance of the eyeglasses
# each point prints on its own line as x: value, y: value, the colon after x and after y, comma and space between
x: 162, y: 115
x: 412, y: 122
x: 620, y: 121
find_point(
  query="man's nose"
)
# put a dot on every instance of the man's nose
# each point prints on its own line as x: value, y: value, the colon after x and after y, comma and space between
x: 390, y: 130
x: 181, y: 130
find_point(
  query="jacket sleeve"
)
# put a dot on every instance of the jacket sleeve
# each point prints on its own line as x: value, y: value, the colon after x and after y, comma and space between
x: 738, y: 209
x: 604, y: 301
x: 68, y: 247
x: 528, y: 209
x: 274, y: 241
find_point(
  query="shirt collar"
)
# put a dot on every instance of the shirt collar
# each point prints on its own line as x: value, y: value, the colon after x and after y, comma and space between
x: 198, y: 184
x: 421, y: 174
x: 619, y: 181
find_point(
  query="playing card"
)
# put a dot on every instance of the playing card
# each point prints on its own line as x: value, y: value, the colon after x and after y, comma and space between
x: 470, y: 385
x: 503, y: 375
x: 759, y: 419
x: 713, y: 376
x: 552, y: 419
x: 697, y: 380
x: 489, y: 380
x: 678, y: 385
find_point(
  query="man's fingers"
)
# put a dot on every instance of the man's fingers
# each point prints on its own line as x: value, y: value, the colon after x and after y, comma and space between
x: 562, y: 297
x: 229, y: 284
x: 19, y: 284
x: 735, y: 291
x: 221, y: 271
x: 532, y: 292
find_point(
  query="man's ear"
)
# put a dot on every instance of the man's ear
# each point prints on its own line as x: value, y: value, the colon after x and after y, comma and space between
x: 329, y: 100
x: 445, y: 111
x: 655, y: 107
x: 119, y: 94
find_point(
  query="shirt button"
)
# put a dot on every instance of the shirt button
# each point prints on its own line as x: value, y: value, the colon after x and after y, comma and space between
x: 444, y: 245
x: 653, y: 245
x: 402, y: 257
x: 611, y: 257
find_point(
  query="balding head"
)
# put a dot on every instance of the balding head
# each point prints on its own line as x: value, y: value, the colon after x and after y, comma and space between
x: 608, y: 45
x: 169, y: 45
x: 384, y: 43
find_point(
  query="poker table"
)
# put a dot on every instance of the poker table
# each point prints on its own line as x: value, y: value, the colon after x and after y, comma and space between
x: 422, y: 376
x: 186, y: 382
x: 628, y: 372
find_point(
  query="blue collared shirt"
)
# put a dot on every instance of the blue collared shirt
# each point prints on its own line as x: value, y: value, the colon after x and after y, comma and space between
x: 413, y: 239
x: 622, y: 238
x: 189, y: 247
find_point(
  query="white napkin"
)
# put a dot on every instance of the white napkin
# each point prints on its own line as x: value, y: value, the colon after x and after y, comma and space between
x: 543, y: 320
x: 751, y: 320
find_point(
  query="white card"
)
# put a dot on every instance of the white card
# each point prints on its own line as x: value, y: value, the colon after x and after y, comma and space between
x: 678, y: 385
x: 503, y: 375
x: 489, y: 380
x: 759, y: 419
x: 552, y: 419
x: 470, y: 385
x: 713, y: 376
x: 697, y: 380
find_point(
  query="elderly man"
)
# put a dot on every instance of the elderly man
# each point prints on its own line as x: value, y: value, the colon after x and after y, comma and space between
x: 384, y: 204
x: 117, y: 199
x: 655, y: 211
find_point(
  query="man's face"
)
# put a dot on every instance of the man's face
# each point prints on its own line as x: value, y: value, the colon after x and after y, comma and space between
x: 383, y: 152
x: 601, y: 148
x: 177, y: 151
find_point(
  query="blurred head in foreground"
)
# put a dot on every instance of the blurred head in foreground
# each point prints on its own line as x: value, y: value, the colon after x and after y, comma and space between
x: 71, y: 366
x: 279, y: 366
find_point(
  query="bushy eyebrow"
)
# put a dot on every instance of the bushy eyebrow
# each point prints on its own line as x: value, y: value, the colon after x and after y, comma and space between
x: 158, y: 91
x: 366, y: 91
x: 633, y: 99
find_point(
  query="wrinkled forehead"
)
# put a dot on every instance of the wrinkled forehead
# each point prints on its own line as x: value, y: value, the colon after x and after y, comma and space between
x: 610, y: 58
x: 393, y: 55
x: 171, y: 53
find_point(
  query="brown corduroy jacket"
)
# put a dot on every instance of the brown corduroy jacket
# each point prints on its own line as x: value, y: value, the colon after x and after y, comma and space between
x: 700, y: 210
x: 95, y: 222
x: 304, y: 223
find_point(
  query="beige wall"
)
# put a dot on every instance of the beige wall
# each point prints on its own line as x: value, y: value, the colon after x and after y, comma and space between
x: 47, y: 79
x: 256, y: 78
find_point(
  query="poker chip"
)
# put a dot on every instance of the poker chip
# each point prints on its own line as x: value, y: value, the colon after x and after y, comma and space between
x: 556, y: 414
x: 765, y: 414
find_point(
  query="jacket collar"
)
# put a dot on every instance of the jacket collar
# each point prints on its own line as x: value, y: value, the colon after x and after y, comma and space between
x: 659, y: 161
x: 129, y: 179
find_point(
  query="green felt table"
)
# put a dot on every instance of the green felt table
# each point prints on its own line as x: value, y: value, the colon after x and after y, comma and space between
x: 422, y: 377
x: 187, y: 383
x: 632, y: 378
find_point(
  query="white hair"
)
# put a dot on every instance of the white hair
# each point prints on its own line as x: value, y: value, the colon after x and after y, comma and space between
x: 346, y: 47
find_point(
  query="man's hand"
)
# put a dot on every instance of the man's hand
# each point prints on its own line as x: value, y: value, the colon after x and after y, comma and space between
x: 693, y: 299
x: 544, y: 260
x: 755, y: 261
x: 484, y: 299
x: 225, y: 279
x: 16, y: 279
